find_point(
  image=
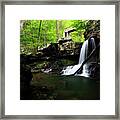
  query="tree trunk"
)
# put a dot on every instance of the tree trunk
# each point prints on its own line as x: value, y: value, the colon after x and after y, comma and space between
x: 39, y: 30
x: 57, y: 29
x: 92, y: 53
x: 60, y: 28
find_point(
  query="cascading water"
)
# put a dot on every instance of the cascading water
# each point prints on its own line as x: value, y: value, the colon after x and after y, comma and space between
x: 83, y: 55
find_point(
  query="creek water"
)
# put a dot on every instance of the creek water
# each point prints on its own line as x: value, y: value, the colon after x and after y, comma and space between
x: 70, y: 70
x: 65, y: 87
x: 47, y: 86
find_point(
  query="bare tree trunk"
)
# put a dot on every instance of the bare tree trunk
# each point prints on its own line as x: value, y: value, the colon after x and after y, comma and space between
x: 91, y: 54
x: 39, y: 30
x: 60, y: 28
x: 57, y: 29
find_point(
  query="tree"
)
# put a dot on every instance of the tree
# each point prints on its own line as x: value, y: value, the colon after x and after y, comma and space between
x: 57, y: 30
x: 39, y: 30
x: 34, y: 33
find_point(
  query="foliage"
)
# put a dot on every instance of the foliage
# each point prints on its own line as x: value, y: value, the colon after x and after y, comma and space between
x: 39, y: 33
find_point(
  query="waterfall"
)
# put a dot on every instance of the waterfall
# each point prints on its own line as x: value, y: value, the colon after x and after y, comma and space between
x: 83, y: 55
x: 83, y: 52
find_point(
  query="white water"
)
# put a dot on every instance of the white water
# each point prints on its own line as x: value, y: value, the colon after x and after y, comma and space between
x: 83, y: 55
x: 70, y: 70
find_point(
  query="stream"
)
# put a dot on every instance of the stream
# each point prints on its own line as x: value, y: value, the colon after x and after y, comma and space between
x: 60, y: 79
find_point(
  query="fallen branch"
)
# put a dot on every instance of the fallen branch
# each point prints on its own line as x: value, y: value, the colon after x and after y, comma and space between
x: 92, y: 53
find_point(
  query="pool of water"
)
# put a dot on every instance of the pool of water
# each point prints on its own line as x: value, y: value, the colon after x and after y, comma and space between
x: 56, y: 87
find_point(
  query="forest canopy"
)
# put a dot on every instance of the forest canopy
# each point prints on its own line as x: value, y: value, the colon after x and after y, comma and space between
x: 40, y: 33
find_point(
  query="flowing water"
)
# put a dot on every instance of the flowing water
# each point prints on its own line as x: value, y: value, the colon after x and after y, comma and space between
x: 83, y: 56
x: 48, y: 86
